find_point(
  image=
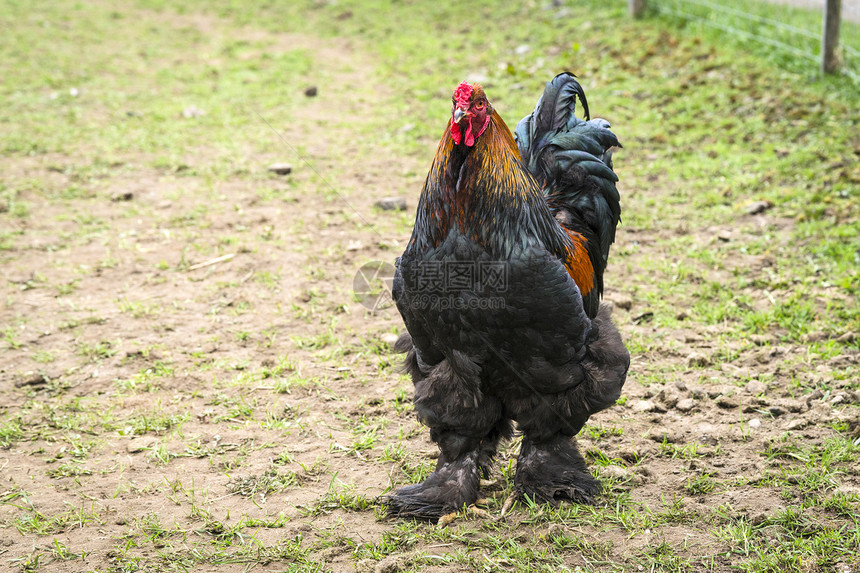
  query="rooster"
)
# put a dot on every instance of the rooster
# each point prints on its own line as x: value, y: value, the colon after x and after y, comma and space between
x: 499, y: 288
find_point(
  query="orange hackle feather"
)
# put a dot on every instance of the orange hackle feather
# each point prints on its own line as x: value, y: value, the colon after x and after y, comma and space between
x: 502, y: 175
x: 578, y: 264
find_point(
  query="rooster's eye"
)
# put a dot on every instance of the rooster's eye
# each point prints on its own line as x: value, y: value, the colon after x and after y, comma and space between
x: 479, y: 105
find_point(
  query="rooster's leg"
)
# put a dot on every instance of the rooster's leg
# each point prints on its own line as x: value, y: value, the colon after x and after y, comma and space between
x: 489, y: 445
x: 466, y: 424
x: 452, y: 486
x: 552, y: 470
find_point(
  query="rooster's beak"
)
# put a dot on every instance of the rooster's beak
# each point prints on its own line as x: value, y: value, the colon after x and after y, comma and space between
x: 459, y: 114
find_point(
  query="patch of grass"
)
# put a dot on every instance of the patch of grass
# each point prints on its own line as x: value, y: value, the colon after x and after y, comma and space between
x: 147, y: 379
x: 270, y: 481
x: 701, y: 484
x: 10, y: 431
x: 35, y: 522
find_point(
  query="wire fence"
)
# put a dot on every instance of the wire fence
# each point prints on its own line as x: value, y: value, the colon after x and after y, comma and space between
x: 788, y: 29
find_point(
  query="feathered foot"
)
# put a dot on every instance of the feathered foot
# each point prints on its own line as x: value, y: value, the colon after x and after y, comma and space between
x: 554, y: 470
x: 451, y: 487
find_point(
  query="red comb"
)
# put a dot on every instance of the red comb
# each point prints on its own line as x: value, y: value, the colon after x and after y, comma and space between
x: 463, y: 95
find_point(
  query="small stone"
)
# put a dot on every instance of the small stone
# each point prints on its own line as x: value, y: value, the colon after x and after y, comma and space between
x: 838, y: 399
x: 647, y: 406
x: 331, y: 552
x: 754, y: 423
x: 698, y: 393
x: 816, y: 395
x: 621, y: 300
x: 122, y: 196
x: 192, y: 112
x: 796, y: 424
x: 629, y: 454
x: 725, y: 236
x: 389, y: 338
x: 777, y: 411
x: 74, y: 92
x: 311, y: 91
x: 556, y: 530
x: 681, y: 386
x: 793, y: 406
x: 685, y: 405
x: 32, y: 379
x: 847, y: 337
x: 756, y: 387
x: 682, y: 315
x: 669, y: 399
x: 727, y: 402
x: 758, y: 207
x: 696, y: 360
x: 354, y: 246
x: 280, y: 168
x: 816, y: 336
x: 668, y: 437
x: 522, y: 49
x: 615, y: 472
x: 391, y: 204
x: 391, y: 564
x: 759, y: 339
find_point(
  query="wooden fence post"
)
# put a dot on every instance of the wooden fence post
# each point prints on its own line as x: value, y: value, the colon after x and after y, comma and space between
x: 829, y: 35
x: 637, y: 7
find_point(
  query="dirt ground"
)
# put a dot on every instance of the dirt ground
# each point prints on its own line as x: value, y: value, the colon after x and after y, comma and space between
x: 184, y: 357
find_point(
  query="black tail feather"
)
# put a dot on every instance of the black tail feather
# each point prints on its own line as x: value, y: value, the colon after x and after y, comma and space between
x: 572, y: 159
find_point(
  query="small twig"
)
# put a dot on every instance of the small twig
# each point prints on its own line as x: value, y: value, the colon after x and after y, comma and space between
x: 214, y: 261
x: 220, y: 498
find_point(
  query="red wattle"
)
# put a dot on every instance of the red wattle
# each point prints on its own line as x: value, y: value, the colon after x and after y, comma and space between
x: 470, y: 139
x: 455, y: 132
